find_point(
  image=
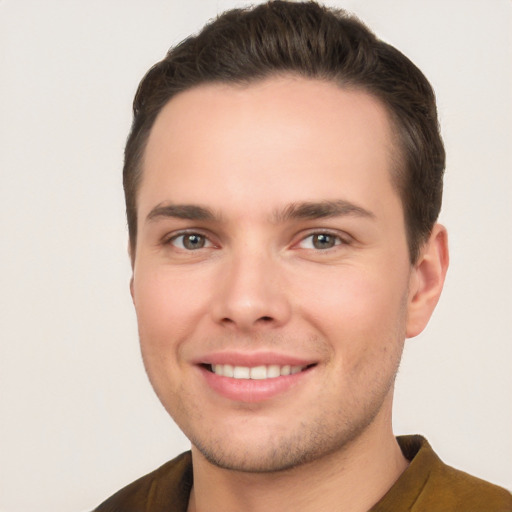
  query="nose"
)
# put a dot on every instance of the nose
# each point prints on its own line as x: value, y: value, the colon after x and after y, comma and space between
x: 251, y: 293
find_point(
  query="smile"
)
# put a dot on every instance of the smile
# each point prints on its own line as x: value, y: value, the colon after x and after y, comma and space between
x: 246, y: 378
x: 256, y: 372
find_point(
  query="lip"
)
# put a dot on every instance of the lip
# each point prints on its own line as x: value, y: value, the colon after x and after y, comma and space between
x: 249, y: 390
x: 253, y: 359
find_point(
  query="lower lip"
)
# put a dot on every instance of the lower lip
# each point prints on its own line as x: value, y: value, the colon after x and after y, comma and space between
x: 252, y: 390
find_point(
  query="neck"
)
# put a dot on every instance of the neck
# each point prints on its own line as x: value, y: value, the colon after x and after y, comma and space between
x: 353, y: 478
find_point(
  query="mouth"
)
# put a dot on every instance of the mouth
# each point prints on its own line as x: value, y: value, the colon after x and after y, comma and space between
x: 261, y: 372
x: 256, y: 377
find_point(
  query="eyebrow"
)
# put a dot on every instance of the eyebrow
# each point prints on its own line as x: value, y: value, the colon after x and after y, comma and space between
x: 181, y: 211
x: 321, y: 210
x: 294, y: 211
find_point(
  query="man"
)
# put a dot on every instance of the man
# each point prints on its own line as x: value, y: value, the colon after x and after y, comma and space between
x: 283, y: 178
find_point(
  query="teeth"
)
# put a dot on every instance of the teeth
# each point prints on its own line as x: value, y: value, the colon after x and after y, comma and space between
x: 256, y: 372
x: 273, y: 371
x: 259, y: 372
x: 241, y: 372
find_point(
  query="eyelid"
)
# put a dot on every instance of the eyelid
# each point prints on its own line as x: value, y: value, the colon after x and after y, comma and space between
x: 342, y: 238
x: 169, y: 238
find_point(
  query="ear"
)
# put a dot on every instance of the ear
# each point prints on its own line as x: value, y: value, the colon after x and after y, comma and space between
x: 427, y: 280
x: 132, y: 261
x: 131, y: 289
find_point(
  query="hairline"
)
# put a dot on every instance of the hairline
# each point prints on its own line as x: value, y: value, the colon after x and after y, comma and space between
x: 398, y: 164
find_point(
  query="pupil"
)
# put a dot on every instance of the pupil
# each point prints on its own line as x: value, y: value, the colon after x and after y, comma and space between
x: 323, y: 241
x: 193, y: 242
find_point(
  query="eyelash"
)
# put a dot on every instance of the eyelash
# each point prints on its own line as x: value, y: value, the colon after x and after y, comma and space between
x: 207, y: 243
x: 172, y: 239
x: 337, y: 239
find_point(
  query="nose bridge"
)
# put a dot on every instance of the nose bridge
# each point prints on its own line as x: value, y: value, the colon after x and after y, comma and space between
x: 250, y: 293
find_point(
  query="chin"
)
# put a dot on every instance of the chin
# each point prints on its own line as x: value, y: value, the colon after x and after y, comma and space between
x: 275, y: 453
x: 268, y: 460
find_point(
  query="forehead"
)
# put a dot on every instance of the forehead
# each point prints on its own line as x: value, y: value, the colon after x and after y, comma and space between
x: 277, y: 138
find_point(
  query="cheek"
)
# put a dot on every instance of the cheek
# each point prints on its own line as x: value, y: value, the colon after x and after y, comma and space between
x: 166, y: 307
x: 364, y: 321
x: 357, y: 310
x: 164, y: 311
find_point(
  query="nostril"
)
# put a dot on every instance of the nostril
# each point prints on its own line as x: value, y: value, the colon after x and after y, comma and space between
x: 266, y: 319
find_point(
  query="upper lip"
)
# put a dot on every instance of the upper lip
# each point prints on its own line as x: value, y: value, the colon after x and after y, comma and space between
x: 252, y: 359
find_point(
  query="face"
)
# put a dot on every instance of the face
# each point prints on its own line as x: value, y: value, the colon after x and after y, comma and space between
x: 271, y: 276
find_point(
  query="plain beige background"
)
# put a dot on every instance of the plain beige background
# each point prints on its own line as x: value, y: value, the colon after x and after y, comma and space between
x: 78, y: 419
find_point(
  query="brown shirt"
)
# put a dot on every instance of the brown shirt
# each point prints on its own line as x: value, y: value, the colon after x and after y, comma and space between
x: 427, y: 485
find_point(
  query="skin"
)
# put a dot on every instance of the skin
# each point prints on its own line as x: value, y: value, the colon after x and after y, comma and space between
x: 256, y: 277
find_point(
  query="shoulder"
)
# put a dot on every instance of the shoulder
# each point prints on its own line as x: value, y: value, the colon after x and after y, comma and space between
x: 430, y: 485
x: 168, y: 486
x: 466, y: 492
x: 444, y: 488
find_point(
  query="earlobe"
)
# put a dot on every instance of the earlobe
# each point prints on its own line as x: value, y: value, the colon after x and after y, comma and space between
x: 131, y: 255
x: 131, y: 289
x: 427, y: 280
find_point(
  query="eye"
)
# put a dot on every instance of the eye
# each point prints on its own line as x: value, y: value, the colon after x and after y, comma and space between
x: 190, y: 241
x: 320, y: 241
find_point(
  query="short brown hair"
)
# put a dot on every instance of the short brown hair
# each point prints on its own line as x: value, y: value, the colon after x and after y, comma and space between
x: 245, y: 45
